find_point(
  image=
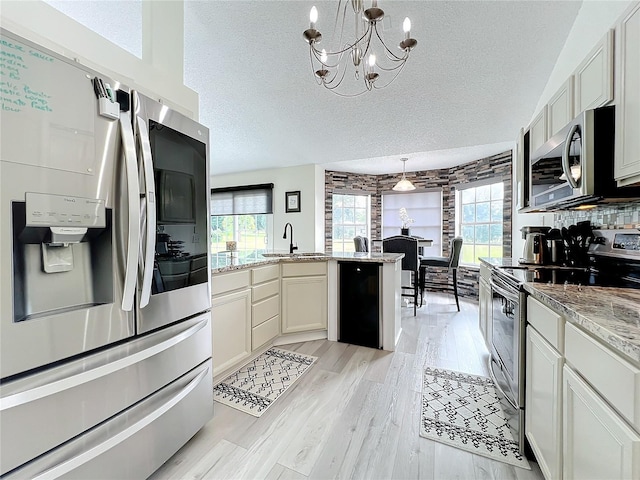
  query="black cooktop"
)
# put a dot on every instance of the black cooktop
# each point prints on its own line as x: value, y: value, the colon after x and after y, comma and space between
x: 612, y: 276
x: 612, y: 260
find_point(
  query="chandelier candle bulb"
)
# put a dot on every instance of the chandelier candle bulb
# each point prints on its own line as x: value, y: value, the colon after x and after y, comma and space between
x: 323, y: 56
x: 313, y: 17
x: 406, y: 26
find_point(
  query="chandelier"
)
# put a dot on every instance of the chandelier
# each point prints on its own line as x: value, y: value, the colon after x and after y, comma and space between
x: 374, y: 63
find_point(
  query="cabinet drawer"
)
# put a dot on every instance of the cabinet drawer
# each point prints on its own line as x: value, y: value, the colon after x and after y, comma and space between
x: 617, y: 380
x: 547, y: 322
x: 265, y: 332
x: 264, y: 274
x: 304, y: 269
x: 263, y: 310
x: 265, y: 290
x: 227, y: 282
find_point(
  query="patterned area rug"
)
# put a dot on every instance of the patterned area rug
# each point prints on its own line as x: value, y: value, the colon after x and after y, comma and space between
x: 258, y: 384
x: 464, y: 411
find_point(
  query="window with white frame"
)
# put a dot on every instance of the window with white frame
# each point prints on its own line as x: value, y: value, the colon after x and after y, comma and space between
x: 480, y: 220
x: 424, y: 208
x: 243, y: 215
x: 250, y: 232
x: 351, y: 217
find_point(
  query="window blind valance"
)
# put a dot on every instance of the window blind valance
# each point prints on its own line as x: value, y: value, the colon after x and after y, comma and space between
x: 242, y: 200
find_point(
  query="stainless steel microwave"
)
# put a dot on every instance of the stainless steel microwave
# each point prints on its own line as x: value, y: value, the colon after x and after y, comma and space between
x: 575, y: 167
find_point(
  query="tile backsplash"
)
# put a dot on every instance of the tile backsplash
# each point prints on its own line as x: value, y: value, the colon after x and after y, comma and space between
x: 606, y: 216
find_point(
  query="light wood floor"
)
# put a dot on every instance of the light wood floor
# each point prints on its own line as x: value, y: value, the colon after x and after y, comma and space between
x: 354, y: 414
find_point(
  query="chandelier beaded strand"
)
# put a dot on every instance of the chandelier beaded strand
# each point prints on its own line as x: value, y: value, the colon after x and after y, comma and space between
x: 330, y: 66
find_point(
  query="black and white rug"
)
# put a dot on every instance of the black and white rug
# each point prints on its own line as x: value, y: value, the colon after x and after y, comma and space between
x: 258, y: 384
x: 464, y: 411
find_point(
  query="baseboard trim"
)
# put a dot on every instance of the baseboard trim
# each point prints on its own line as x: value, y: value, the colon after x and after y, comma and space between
x: 300, y: 337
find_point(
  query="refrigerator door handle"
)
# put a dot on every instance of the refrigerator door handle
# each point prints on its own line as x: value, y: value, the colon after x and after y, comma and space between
x: 150, y: 211
x: 133, y: 193
x: 103, y: 366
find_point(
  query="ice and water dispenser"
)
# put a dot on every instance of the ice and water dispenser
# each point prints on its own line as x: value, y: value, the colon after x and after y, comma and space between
x: 62, y: 255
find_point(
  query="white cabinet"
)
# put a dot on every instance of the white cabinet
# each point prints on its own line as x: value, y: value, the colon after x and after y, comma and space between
x: 231, y: 320
x: 627, y: 148
x: 484, y: 294
x: 614, y: 378
x: 265, y: 307
x: 560, y: 108
x: 593, y: 79
x: 543, y: 400
x: 597, y: 443
x: 304, y: 296
x: 538, y: 131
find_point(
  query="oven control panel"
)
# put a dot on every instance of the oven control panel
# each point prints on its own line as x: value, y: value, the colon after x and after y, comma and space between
x: 626, y: 241
x: 623, y: 243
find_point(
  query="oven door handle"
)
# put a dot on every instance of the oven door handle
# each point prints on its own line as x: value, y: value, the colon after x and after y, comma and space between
x: 505, y: 293
x: 498, y: 387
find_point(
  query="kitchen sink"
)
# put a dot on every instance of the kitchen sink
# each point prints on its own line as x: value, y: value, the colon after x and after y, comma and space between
x: 295, y: 255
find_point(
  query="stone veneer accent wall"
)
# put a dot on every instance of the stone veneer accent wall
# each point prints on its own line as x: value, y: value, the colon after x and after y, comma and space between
x: 497, y: 166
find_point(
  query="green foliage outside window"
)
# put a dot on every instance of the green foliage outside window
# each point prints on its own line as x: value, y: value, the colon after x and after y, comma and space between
x: 481, y: 222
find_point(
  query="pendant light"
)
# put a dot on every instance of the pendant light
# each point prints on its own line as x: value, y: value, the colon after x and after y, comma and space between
x: 404, y: 185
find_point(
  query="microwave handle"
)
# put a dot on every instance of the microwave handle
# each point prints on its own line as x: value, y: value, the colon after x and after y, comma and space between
x: 150, y: 212
x: 133, y: 194
x: 566, y: 168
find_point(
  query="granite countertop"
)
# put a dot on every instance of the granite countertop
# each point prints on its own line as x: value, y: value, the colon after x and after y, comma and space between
x: 608, y: 313
x: 221, y: 264
x: 499, y: 262
x: 227, y: 263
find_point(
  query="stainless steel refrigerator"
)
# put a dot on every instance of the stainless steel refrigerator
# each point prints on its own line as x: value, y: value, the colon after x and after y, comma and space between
x: 105, y: 323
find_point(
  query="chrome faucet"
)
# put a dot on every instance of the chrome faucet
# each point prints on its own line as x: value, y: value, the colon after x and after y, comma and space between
x: 291, y: 247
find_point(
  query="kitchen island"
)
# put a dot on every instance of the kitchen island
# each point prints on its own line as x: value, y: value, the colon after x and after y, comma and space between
x: 283, y: 299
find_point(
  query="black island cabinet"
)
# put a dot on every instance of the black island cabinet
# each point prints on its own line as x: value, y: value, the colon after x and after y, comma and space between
x: 359, y: 319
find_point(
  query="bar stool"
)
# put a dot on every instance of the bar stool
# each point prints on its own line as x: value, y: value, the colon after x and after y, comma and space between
x: 450, y: 263
x: 408, y: 246
x: 361, y: 243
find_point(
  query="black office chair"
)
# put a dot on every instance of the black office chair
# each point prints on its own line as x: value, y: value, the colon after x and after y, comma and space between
x: 408, y: 246
x: 450, y: 263
x: 361, y: 243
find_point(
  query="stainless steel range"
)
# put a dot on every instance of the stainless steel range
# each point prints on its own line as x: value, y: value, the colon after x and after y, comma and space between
x: 614, y: 261
x: 508, y: 317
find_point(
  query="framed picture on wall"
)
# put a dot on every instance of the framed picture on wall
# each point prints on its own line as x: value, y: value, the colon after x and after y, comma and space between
x: 292, y: 202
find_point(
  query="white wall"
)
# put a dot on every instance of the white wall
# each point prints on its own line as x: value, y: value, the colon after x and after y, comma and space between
x: 42, y: 24
x: 308, y: 224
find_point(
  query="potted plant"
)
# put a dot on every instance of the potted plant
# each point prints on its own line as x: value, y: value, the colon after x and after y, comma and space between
x: 406, y: 221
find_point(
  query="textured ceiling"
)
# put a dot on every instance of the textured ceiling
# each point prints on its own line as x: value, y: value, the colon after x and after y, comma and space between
x: 473, y: 80
x: 471, y: 83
